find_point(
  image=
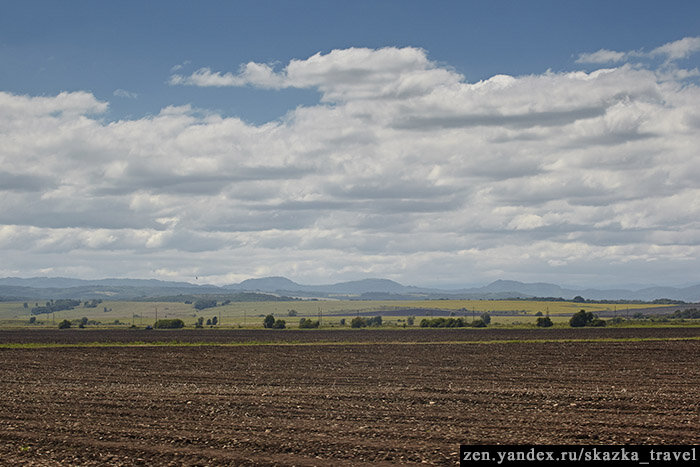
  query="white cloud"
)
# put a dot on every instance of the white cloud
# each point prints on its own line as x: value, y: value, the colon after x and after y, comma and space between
x: 601, y: 56
x: 671, y: 51
x: 340, y: 75
x: 413, y: 174
x: 125, y: 94
x: 679, y: 49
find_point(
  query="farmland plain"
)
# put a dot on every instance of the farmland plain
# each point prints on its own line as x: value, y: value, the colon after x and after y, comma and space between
x: 330, y: 312
x: 373, y: 397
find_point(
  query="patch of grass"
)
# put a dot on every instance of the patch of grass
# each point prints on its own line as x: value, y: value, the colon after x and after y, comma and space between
x: 42, y: 345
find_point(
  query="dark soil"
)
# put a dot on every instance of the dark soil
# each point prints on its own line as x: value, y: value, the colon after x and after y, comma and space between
x: 340, y: 404
x: 73, y: 336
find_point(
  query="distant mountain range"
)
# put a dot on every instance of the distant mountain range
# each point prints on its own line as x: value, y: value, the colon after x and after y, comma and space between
x: 13, y: 288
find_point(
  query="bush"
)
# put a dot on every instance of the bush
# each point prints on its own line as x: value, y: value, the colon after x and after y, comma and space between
x: 410, y: 320
x: 279, y: 324
x: 65, y: 324
x: 358, y: 322
x: 486, y: 318
x: 175, y: 323
x: 597, y: 322
x: 308, y: 323
x: 585, y: 318
x: 376, y: 321
x: 580, y: 319
x: 544, y: 322
x: 292, y: 313
x: 268, y: 322
x: 478, y: 323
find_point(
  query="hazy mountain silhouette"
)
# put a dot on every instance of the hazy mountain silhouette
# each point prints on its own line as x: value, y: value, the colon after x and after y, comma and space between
x: 369, y: 289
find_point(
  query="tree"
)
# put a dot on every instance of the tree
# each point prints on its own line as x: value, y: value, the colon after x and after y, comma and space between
x: 597, y: 323
x: 486, y: 318
x: 214, y: 321
x: 578, y: 299
x: 25, y: 305
x: 279, y: 324
x: 544, y: 322
x: 374, y: 321
x: 65, y: 324
x: 308, y: 323
x: 32, y: 320
x: 580, y: 319
x: 200, y: 322
x: 358, y: 322
x: 585, y: 318
x: 410, y: 320
x: 175, y: 323
x: 268, y: 322
x: 478, y: 323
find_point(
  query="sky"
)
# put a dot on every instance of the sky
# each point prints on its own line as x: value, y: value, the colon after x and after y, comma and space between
x: 441, y: 144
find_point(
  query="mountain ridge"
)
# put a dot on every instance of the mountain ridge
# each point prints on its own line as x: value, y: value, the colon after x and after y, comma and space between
x: 370, y: 289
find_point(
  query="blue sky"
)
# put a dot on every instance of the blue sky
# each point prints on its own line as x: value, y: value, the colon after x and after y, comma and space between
x: 48, y: 47
x: 433, y: 143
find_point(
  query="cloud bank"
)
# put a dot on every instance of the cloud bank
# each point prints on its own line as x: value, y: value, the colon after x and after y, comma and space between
x: 403, y: 170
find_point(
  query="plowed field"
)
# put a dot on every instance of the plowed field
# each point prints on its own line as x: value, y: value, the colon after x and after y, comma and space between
x: 342, y: 404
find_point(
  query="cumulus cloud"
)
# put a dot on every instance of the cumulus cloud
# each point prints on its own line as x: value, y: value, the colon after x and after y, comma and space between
x: 679, y: 49
x: 340, y: 75
x: 671, y: 51
x: 601, y: 56
x: 403, y: 170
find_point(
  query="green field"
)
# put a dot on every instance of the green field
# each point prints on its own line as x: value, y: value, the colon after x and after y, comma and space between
x: 250, y: 314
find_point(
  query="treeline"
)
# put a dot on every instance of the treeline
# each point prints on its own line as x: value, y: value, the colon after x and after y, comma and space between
x: 231, y: 297
x: 690, y: 313
x: 53, y: 306
x: 359, y: 322
x: 452, y: 323
x: 579, y: 299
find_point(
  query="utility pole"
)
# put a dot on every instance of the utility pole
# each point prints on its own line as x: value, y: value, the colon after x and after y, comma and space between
x: 156, y: 314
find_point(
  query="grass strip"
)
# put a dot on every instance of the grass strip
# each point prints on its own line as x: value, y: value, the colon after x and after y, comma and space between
x: 54, y: 345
